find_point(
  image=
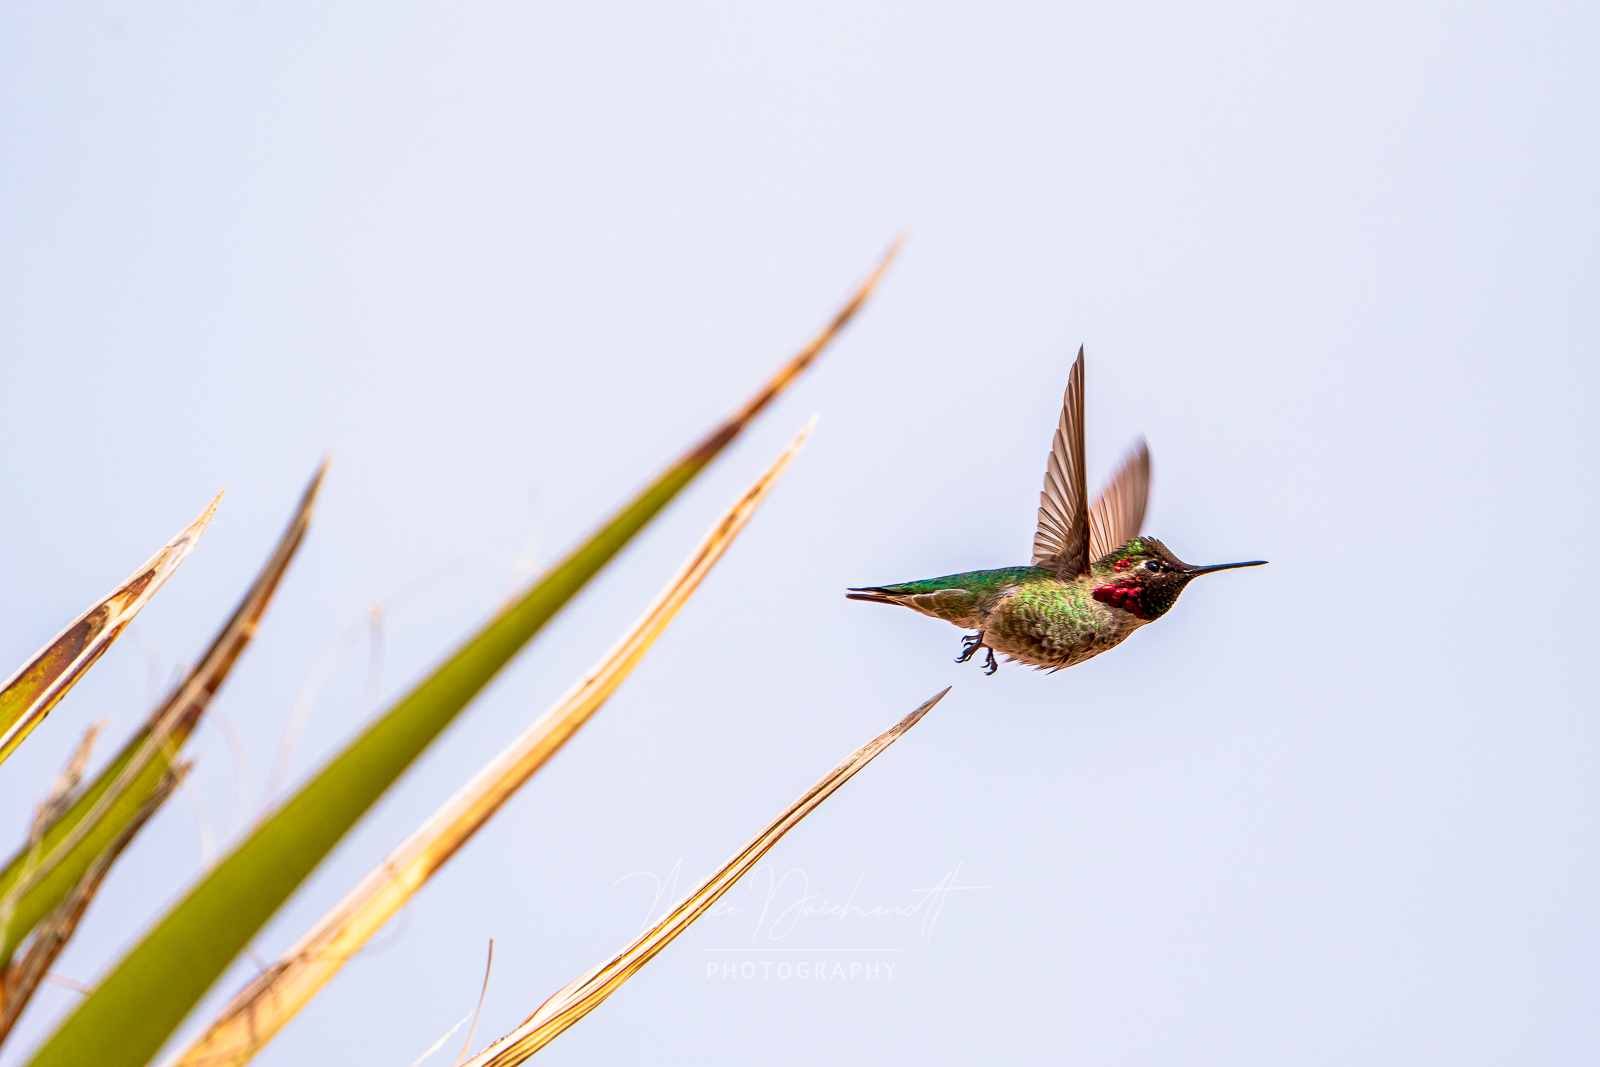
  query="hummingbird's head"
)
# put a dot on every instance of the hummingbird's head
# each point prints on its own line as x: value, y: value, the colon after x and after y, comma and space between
x: 1144, y: 579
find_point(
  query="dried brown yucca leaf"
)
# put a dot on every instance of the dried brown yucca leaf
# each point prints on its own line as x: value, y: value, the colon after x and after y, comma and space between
x: 583, y: 996
x: 264, y: 1006
x: 27, y: 696
x: 82, y: 823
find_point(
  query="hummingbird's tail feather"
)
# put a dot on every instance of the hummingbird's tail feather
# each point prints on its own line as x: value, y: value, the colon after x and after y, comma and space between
x: 930, y: 598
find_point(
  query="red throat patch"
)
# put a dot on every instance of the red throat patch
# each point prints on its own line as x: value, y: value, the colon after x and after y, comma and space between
x: 1129, y: 596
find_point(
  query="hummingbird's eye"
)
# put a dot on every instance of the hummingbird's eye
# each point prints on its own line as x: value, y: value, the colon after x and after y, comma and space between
x: 1152, y: 565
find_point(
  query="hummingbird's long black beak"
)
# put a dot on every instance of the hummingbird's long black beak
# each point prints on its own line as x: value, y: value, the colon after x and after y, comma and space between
x: 1224, y: 567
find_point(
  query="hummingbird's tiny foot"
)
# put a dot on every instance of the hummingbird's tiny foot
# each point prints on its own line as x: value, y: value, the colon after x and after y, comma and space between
x: 969, y: 648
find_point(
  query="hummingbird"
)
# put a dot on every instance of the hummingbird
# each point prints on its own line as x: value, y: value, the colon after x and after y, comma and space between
x: 1094, y: 580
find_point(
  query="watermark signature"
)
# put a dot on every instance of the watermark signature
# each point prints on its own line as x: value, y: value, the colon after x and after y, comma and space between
x: 804, y: 970
x: 777, y: 907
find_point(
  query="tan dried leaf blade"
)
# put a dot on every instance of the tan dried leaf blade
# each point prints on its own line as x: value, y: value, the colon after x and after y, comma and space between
x: 583, y: 996
x: 28, y: 695
x: 264, y: 1006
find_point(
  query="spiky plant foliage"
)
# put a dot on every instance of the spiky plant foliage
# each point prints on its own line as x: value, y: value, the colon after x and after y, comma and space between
x: 80, y: 831
x: 263, y: 1007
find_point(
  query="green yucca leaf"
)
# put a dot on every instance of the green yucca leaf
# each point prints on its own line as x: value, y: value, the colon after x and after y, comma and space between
x: 27, y: 696
x: 136, y: 1007
x: 42, y: 874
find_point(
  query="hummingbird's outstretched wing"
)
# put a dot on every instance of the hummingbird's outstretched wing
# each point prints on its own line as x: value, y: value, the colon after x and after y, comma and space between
x: 1062, y: 540
x: 1118, y: 512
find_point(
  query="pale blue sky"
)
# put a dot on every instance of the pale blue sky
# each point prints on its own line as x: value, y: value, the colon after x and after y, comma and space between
x: 1337, y: 262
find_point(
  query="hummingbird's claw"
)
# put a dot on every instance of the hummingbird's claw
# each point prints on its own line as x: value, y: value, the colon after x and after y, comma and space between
x: 969, y: 648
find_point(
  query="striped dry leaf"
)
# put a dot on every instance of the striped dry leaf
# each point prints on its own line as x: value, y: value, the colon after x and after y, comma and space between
x: 139, y: 1003
x: 41, y: 874
x: 584, y: 995
x: 21, y: 977
x: 264, y: 1006
x: 28, y: 695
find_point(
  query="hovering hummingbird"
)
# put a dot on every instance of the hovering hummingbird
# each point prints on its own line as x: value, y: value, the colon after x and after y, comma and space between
x: 1093, y: 581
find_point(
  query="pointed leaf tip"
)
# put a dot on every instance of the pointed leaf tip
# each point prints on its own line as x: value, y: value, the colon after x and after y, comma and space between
x: 576, y: 999
x: 29, y: 694
x: 714, y: 441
